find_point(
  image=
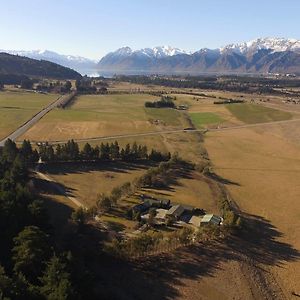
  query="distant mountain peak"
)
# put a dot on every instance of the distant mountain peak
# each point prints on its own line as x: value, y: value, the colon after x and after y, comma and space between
x: 155, y: 52
x: 274, y: 44
x: 261, y: 55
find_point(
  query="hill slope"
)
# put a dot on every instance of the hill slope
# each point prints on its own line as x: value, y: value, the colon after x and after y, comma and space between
x: 19, y: 65
x: 80, y: 64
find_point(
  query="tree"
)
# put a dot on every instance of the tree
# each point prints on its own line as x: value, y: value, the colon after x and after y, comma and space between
x: 27, y: 84
x: 68, y: 86
x: 27, y: 152
x: 1, y: 86
x: 6, y: 285
x: 30, y: 252
x: 87, y: 152
x: 79, y: 216
x: 104, y: 202
x: 56, y: 281
x: 10, y: 150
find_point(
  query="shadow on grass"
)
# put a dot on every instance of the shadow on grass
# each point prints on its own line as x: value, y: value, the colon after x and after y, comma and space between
x: 53, y: 188
x: 220, y: 179
x: 115, y: 226
x: 162, y: 276
x: 65, y: 168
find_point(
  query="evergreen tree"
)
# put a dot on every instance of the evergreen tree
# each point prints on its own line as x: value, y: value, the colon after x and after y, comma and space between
x: 56, y: 281
x: 30, y: 252
x: 87, y: 152
x: 9, y: 151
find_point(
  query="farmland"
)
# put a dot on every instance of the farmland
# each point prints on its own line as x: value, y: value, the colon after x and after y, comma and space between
x: 251, y: 113
x: 267, y: 168
x: 259, y: 166
x: 92, y: 116
x: 16, y: 107
x: 200, y: 119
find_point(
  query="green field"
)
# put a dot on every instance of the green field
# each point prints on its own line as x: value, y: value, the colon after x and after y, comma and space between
x: 251, y: 113
x: 16, y: 107
x: 203, y: 118
x: 105, y: 115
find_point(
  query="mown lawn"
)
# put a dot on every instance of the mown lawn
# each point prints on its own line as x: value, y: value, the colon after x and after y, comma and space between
x: 202, y: 118
x: 251, y: 113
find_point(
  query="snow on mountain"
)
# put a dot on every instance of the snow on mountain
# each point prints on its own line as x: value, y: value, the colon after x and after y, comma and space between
x: 156, y: 52
x: 78, y: 63
x: 274, y: 44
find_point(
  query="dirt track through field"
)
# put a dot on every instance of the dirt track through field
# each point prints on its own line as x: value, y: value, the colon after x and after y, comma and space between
x: 58, y: 188
x: 136, y: 135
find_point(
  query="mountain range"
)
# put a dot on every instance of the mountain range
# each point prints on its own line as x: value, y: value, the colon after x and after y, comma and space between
x: 268, y: 55
x: 262, y: 55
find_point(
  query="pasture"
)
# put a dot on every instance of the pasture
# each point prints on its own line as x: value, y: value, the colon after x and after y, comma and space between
x: 253, y: 113
x: 104, y: 115
x: 205, y: 118
x: 16, y: 107
x: 265, y: 164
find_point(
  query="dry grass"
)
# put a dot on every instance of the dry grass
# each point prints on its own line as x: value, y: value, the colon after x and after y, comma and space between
x: 16, y: 107
x: 267, y: 167
x: 94, y: 116
x: 86, y: 181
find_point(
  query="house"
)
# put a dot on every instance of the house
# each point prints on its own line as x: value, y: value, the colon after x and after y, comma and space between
x: 175, y: 212
x: 160, y: 217
x: 211, y: 219
x: 195, y: 220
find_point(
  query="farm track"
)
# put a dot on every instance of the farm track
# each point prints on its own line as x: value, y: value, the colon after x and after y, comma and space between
x: 58, y: 188
x: 153, y: 133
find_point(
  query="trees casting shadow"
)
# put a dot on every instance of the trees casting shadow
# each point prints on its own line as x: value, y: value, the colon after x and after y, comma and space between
x: 64, y: 168
x: 160, y: 277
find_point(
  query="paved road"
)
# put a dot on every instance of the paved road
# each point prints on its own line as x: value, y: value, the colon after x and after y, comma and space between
x: 22, y: 129
x: 153, y: 133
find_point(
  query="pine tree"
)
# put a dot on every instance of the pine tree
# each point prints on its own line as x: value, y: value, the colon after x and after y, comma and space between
x: 56, y: 281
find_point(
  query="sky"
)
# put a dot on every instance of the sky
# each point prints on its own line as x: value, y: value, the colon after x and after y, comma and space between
x: 92, y: 28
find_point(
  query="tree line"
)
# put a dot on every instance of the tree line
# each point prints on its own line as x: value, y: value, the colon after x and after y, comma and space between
x: 30, y: 268
x: 70, y: 151
x: 165, y: 101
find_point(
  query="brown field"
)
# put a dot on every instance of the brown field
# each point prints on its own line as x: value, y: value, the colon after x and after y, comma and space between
x: 266, y: 165
x: 86, y: 181
x: 262, y: 164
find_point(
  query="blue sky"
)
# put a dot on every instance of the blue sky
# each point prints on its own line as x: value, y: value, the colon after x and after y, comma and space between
x: 92, y: 28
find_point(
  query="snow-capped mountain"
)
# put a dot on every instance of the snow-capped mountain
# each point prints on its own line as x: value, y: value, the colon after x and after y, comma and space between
x: 261, y: 55
x: 156, y: 52
x: 274, y: 44
x: 78, y: 63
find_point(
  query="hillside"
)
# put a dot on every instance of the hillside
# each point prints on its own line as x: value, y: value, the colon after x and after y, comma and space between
x: 269, y: 55
x: 80, y: 64
x: 19, y: 65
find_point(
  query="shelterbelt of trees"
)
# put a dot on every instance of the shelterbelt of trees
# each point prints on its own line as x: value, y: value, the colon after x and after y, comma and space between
x: 165, y: 101
x: 34, y: 262
x: 30, y: 265
x: 105, y: 152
